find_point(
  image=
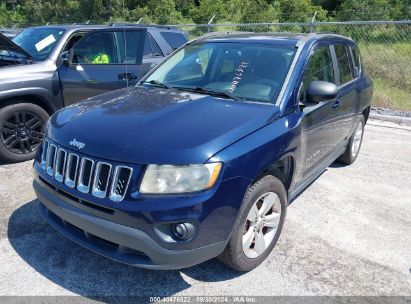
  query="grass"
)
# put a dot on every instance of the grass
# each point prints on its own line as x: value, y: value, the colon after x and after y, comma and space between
x: 389, y: 65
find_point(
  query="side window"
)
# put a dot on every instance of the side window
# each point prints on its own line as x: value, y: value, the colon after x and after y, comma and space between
x: 319, y: 67
x: 148, y: 52
x: 155, y: 47
x: 97, y: 48
x: 73, y: 41
x: 130, y: 46
x: 357, y: 59
x: 151, y: 48
x: 344, y: 65
x: 175, y: 40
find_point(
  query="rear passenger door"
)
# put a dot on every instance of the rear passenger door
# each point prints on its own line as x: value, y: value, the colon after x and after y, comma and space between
x: 347, y: 93
x: 320, y: 122
x: 122, y: 50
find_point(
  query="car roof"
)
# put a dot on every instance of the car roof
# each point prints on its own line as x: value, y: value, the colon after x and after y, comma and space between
x: 110, y: 26
x: 282, y: 38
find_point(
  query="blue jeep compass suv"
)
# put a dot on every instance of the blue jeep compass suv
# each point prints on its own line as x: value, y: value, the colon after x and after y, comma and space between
x: 202, y: 157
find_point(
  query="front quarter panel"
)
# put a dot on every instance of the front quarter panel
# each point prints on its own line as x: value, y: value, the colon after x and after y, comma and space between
x: 255, y: 153
x: 38, y: 80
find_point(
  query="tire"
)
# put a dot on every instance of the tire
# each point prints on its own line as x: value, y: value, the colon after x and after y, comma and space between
x: 246, y: 258
x: 354, y: 144
x: 21, y: 131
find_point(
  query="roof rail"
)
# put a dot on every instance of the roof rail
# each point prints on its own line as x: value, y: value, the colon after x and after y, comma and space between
x: 211, y: 34
x: 141, y: 25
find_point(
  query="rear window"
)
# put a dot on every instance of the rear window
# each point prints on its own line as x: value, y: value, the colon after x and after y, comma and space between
x: 356, y: 55
x: 175, y: 40
x: 344, y: 66
x: 151, y: 48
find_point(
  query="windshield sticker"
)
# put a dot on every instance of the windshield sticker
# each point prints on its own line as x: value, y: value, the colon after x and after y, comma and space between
x: 238, y: 76
x: 45, y: 42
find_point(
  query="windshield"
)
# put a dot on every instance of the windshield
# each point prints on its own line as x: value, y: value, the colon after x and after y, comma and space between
x: 252, y: 72
x: 38, y: 42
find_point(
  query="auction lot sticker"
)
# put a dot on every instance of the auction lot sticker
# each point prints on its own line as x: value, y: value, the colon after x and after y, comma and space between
x: 45, y: 42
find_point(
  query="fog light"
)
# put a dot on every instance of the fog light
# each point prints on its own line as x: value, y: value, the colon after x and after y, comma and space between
x: 183, y: 231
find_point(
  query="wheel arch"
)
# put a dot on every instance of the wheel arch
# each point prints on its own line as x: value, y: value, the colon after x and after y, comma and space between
x: 283, y: 169
x: 366, y: 113
x: 36, y: 99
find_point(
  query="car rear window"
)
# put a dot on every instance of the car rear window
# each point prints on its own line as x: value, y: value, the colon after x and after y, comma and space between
x: 175, y: 40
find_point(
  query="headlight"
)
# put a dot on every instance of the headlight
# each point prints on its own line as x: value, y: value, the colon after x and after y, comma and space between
x: 163, y: 179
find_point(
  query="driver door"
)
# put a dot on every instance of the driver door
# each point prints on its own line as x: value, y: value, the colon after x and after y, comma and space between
x: 82, y: 77
x: 321, y: 122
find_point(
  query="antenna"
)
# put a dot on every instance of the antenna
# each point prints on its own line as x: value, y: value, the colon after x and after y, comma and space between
x: 125, y: 44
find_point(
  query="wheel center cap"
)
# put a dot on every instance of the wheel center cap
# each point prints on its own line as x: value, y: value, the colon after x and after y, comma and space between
x: 22, y: 130
x: 260, y: 224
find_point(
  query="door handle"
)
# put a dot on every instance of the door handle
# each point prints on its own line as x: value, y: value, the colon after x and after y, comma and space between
x: 127, y: 76
x: 337, y: 104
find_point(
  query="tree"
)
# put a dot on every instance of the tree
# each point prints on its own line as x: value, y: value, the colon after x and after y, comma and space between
x: 300, y: 11
x: 164, y: 12
x: 364, y: 10
x: 207, y: 9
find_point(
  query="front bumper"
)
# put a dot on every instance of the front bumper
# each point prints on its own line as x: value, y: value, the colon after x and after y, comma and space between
x: 118, y: 242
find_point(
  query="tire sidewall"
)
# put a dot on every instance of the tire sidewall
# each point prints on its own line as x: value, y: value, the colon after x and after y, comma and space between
x: 266, y: 184
x: 5, y: 112
x: 354, y: 157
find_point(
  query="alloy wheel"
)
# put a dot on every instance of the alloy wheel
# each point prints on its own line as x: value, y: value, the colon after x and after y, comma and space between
x: 261, y: 224
x: 22, y: 132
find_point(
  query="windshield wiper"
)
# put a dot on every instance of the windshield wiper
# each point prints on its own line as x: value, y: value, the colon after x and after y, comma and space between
x: 163, y: 85
x: 158, y: 83
x: 211, y: 91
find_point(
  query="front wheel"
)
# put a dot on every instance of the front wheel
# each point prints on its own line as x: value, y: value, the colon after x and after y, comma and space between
x: 21, y: 131
x: 258, y: 226
x: 354, y: 144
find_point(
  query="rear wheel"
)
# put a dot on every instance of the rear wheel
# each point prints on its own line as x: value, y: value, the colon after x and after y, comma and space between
x: 21, y: 131
x: 354, y: 144
x: 258, y: 225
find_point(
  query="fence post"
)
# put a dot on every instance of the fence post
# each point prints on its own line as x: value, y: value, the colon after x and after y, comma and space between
x: 312, y: 24
x: 209, y: 24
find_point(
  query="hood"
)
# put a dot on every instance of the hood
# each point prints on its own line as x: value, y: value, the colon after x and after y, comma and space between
x: 153, y: 125
x: 11, y: 53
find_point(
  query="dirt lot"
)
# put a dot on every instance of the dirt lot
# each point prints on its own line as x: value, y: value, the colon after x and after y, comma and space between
x: 349, y: 233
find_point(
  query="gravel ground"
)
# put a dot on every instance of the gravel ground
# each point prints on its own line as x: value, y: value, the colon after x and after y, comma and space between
x: 349, y: 233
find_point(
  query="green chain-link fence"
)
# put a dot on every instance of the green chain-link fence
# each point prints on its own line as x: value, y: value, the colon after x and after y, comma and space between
x: 385, y: 47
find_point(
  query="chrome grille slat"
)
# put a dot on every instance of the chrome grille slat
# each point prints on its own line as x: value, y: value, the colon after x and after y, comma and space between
x: 44, y: 154
x: 71, y: 170
x: 119, y: 185
x: 60, y: 164
x: 85, y: 175
x: 51, y: 159
x: 101, y: 179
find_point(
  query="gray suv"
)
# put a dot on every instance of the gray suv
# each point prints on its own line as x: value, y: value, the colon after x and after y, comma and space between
x: 46, y: 68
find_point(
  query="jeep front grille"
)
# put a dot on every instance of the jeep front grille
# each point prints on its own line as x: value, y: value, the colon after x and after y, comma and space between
x: 99, y: 178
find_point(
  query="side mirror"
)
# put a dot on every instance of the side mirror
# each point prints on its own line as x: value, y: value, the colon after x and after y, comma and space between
x: 319, y: 91
x: 65, y: 58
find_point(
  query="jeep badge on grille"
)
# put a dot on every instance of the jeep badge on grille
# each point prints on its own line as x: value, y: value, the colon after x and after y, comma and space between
x: 77, y: 144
